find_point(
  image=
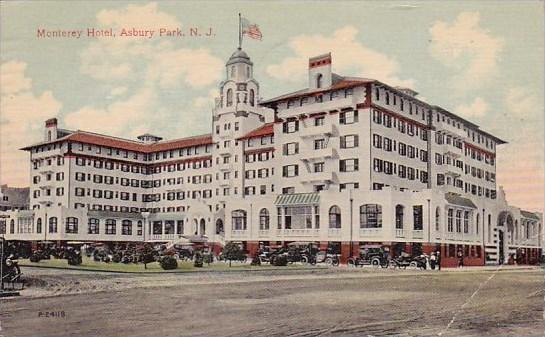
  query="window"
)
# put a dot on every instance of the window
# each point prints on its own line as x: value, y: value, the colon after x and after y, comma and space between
x: 239, y: 219
x: 110, y: 226
x: 319, y: 167
x: 348, y: 117
x: 370, y: 216
x: 38, y: 226
x: 377, y: 141
x: 450, y: 227
x: 377, y: 94
x: 348, y: 165
x: 466, y: 222
x: 290, y: 126
x: 126, y: 227
x: 319, y: 144
x: 252, y: 97
x: 318, y: 121
x: 290, y: 149
x: 334, y: 217
x: 458, y: 221
x: 399, y: 217
x: 417, y: 217
x: 229, y: 97
x: 71, y: 225
x: 264, y: 219
x: 53, y: 225
x: 290, y: 171
x: 349, y: 141
x: 319, y: 78
x: 93, y: 226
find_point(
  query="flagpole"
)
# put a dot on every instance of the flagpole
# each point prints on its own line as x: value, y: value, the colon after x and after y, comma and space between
x: 239, y: 31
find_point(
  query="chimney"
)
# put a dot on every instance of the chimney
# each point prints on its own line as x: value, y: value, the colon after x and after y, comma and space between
x: 50, y: 129
x: 319, y: 72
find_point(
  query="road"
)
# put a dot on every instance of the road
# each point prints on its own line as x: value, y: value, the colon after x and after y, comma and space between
x: 319, y: 303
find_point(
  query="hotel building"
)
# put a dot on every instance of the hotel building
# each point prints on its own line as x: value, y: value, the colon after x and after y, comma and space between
x: 344, y: 163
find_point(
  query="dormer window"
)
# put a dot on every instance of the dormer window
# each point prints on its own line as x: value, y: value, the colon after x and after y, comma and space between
x: 319, y: 80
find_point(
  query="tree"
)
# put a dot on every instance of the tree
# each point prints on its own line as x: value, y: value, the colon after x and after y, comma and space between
x: 231, y: 251
x: 147, y: 254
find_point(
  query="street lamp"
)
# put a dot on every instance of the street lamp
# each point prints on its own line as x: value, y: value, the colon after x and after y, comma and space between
x: 145, y: 215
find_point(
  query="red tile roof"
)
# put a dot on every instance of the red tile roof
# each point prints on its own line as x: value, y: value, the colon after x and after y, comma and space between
x: 126, y: 144
x: 265, y: 130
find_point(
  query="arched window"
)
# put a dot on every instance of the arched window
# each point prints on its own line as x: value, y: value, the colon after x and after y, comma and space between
x: 477, y: 223
x: 219, y: 226
x: 12, y: 226
x: 399, y: 217
x: 450, y: 213
x: 71, y: 225
x: 252, y: 97
x: 466, y: 222
x: 458, y: 221
x: 93, y: 226
x: 239, y: 219
x: 39, y: 225
x: 437, y: 219
x: 110, y: 226
x: 319, y: 80
x: 334, y: 217
x: 53, y: 224
x: 233, y: 71
x: 370, y: 216
x: 377, y: 94
x: 49, y: 135
x: 264, y: 219
x: 126, y: 227
x: 229, y: 97
x: 202, y: 228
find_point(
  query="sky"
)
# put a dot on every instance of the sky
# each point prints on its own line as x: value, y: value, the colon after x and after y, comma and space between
x: 483, y: 60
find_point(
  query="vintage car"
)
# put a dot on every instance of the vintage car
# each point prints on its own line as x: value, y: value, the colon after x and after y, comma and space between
x: 374, y: 255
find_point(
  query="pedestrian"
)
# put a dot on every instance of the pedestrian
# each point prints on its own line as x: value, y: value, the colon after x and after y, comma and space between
x: 432, y: 261
x: 438, y: 260
x: 460, y: 259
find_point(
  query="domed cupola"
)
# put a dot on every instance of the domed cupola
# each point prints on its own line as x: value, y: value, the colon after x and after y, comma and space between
x: 239, y: 67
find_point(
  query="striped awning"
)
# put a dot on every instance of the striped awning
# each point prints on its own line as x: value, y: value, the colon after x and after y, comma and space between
x: 455, y: 199
x: 297, y: 199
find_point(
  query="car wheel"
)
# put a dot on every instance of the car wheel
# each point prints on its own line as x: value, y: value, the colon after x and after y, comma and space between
x: 413, y: 264
x: 329, y: 261
x: 304, y: 259
x: 351, y: 263
x: 375, y: 262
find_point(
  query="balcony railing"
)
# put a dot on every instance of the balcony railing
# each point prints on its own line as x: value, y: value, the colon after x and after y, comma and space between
x: 400, y: 233
x: 298, y: 232
x: 317, y: 177
x: 318, y: 154
x: 418, y: 234
x: 334, y: 232
x: 320, y: 130
x: 166, y: 237
x: 370, y: 232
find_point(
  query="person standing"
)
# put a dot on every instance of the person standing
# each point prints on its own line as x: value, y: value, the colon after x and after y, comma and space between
x: 438, y: 260
x: 432, y: 261
x: 460, y: 259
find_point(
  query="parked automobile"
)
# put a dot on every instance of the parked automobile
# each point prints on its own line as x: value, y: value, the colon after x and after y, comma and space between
x: 328, y: 257
x: 370, y: 255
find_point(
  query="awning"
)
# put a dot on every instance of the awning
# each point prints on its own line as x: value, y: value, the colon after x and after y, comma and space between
x: 529, y: 215
x: 455, y: 199
x: 297, y: 199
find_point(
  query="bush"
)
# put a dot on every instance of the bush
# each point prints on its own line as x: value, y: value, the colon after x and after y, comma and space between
x: 34, y: 258
x: 232, y: 251
x: 168, y: 262
x: 116, y: 258
x: 208, y: 258
x: 198, y: 260
x: 74, y: 260
x: 281, y: 260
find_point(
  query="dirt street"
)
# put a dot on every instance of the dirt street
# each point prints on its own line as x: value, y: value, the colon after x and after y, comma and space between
x: 318, y: 303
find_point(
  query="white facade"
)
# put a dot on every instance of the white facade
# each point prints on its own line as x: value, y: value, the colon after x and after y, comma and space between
x: 346, y: 160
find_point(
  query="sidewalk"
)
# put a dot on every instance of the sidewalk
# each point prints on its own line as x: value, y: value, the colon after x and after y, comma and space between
x: 493, y: 267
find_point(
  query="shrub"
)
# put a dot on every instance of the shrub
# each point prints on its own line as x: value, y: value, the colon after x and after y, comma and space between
x: 116, y: 258
x: 208, y: 258
x: 168, y: 262
x: 198, y: 260
x: 281, y: 260
x: 232, y: 251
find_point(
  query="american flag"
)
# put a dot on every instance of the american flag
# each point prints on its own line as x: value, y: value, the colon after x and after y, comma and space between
x: 251, y: 29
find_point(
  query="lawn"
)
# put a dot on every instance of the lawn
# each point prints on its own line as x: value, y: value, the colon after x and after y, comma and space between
x: 183, y: 266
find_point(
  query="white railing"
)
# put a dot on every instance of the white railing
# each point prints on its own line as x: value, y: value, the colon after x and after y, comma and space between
x: 297, y: 232
x: 400, y: 233
x: 238, y: 232
x: 334, y: 232
x: 317, y: 177
x: 311, y: 153
x: 418, y: 234
x: 164, y: 236
x: 370, y: 232
x: 319, y: 130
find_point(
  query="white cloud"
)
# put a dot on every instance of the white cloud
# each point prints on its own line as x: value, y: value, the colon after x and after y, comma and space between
x: 205, y: 102
x: 21, y: 121
x: 349, y: 56
x: 477, y: 108
x: 139, y: 70
x: 468, y: 49
x: 522, y: 103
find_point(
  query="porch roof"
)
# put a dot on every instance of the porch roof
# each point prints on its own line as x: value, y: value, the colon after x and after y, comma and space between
x: 297, y: 199
x: 456, y: 199
x: 529, y: 215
